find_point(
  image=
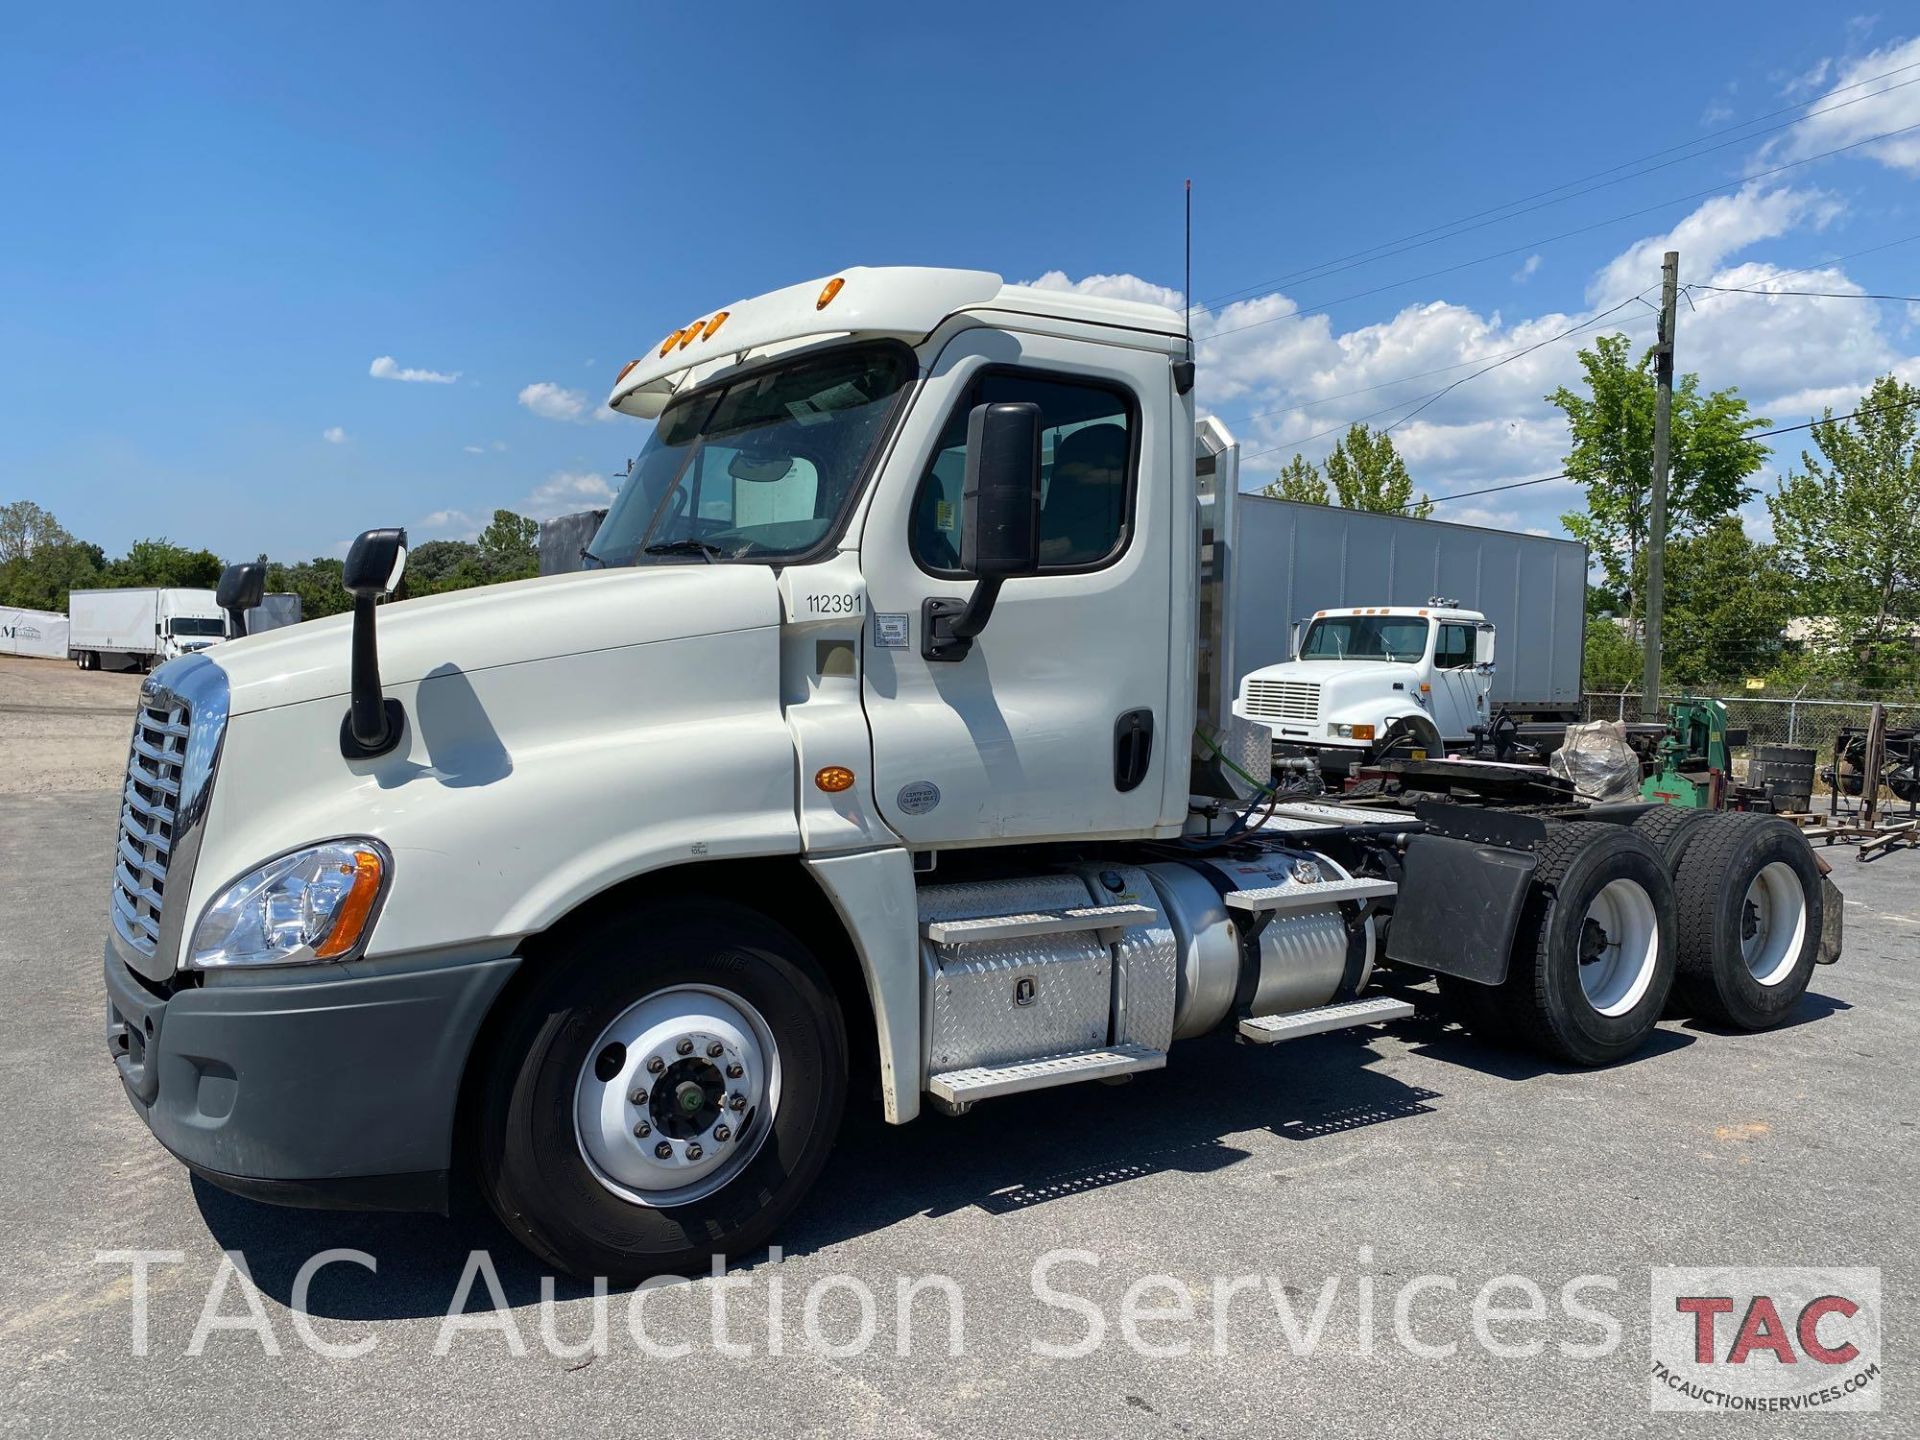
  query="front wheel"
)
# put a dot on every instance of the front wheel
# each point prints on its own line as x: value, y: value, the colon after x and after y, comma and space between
x: 667, y: 1090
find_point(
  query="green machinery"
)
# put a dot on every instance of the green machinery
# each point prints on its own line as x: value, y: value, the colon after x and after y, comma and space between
x: 1695, y: 756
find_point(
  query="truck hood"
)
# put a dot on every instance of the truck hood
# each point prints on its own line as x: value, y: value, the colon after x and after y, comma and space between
x: 498, y: 625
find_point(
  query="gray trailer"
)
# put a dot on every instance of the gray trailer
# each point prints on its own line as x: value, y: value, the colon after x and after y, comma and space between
x: 1296, y: 559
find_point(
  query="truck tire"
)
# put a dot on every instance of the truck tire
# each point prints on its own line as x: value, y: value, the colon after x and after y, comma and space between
x: 1594, y: 958
x: 666, y: 1090
x: 1406, y: 736
x: 1750, y: 912
x: 1671, y: 828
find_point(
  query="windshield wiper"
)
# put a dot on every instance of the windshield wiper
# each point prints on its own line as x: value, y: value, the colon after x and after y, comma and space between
x: 689, y: 546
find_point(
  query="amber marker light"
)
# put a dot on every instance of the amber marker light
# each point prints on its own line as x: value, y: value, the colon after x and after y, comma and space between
x: 833, y: 778
x: 714, y: 324
x: 623, y: 371
x: 831, y: 289
x: 356, y: 909
x: 691, y: 333
x: 668, y: 343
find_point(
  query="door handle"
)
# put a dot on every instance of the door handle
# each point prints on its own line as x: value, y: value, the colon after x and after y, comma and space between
x: 1132, y: 749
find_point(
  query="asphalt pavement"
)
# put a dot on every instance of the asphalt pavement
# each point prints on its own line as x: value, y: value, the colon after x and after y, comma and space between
x: 1267, y: 1186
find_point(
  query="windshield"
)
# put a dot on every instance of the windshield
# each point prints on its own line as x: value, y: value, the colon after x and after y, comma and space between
x: 197, y: 625
x: 756, y: 470
x: 1366, y: 637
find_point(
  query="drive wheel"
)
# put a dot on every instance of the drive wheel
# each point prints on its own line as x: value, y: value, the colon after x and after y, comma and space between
x: 1750, y: 909
x: 1671, y: 828
x: 666, y: 1091
x: 1594, y: 958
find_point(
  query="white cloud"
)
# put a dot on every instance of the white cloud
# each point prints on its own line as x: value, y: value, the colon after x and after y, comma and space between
x: 387, y: 368
x: 565, y: 492
x: 334, y: 435
x: 556, y: 402
x: 1876, y: 114
x: 447, y: 525
x: 1717, y: 229
x: 1528, y: 268
x: 474, y: 449
x: 1111, y: 287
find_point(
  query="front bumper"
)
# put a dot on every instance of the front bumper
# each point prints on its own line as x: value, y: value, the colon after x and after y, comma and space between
x: 323, y: 1090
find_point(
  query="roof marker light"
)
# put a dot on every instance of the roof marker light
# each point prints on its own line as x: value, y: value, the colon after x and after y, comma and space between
x: 623, y: 371
x: 668, y: 343
x: 690, y: 334
x: 714, y: 324
x: 831, y: 289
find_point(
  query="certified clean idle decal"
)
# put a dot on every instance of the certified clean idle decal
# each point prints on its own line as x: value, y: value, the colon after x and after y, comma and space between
x: 918, y: 798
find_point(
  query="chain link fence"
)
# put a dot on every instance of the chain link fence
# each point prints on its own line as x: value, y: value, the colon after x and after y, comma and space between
x: 1769, y: 720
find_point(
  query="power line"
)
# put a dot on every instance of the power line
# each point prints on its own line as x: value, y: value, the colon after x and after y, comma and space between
x: 1762, y: 435
x: 1390, y: 248
x: 1563, y: 235
x: 1814, y: 294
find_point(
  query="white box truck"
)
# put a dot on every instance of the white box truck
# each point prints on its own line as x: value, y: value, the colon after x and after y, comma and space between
x: 141, y: 626
x: 1363, y: 634
x: 880, y: 745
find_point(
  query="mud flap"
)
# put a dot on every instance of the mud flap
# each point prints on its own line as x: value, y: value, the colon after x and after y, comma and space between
x: 1458, y: 907
x: 1832, y: 903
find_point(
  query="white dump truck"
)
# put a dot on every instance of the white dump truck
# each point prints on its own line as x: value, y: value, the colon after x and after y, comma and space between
x: 142, y: 625
x: 890, y: 739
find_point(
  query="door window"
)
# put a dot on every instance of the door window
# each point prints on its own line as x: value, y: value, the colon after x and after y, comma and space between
x: 1454, y: 648
x: 1088, y: 436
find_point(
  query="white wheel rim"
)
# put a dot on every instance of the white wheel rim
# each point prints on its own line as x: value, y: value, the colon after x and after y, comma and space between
x: 1773, y: 923
x: 1619, y: 947
x: 660, y: 1150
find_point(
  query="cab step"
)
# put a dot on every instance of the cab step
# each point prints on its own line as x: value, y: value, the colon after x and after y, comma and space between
x: 1271, y: 1029
x: 1297, y: 897
x: 1020, y: 927
x: 984, y: 1082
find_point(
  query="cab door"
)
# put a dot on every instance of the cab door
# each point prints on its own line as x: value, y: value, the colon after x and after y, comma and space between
x: 1458, y: 692
x: 1053, y: 725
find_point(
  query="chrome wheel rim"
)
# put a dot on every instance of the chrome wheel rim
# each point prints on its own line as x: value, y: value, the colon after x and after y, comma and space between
x: 677, y: 1095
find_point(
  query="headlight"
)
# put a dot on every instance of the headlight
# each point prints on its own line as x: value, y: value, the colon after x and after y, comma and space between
x: 1350, y: 732
x: 314, y: 904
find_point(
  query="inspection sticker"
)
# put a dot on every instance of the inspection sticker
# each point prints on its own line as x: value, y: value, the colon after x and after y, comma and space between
x: 891, y: 631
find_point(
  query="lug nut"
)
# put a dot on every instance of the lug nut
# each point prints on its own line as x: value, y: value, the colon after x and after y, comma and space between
x: 639, y: 1096
x: 663, y: 1151
x: 643, y: 1129
x: 715, y: 1049
x: 735, y: 1071
x: 656, y: 1065
x: 685, y: 1047
x: 722, y: 1133
x: 694, y: 1151
x: 736, y: 1102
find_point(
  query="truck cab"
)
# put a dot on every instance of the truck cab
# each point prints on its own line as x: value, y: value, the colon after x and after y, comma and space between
x: 1366, y: 680
x: 888, y: 736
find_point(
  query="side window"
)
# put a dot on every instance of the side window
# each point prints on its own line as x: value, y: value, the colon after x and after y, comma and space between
x: 1087, y: 442
x: 1454, y: 649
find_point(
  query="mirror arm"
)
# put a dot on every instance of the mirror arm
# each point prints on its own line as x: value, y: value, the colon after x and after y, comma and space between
x: 373, y: 723
x: 948, y: 625
x: 971, y: 621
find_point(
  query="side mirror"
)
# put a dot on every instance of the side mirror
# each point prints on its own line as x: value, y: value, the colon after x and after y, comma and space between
x: 375, y: 563
x: 1293, y: 642
x: 241, y: 588
x: 373, y: 723
x: 1483, y: 646
x: 1000, y: 532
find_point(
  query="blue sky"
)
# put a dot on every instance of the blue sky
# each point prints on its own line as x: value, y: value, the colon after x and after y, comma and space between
x: 272, y: 275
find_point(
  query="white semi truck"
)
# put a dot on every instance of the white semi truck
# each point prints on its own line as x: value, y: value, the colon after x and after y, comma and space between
x: 887, y: 741
x: 143, y: 626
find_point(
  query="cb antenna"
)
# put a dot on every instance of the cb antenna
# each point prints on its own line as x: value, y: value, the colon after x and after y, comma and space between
x: 1187, y: 282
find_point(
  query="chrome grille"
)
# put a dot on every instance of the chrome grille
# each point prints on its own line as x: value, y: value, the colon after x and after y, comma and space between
x: 1283, y: 700
x: 148, y: 812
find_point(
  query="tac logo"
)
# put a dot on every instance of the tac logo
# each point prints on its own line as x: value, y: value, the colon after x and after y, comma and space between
x: 1765, y: 1339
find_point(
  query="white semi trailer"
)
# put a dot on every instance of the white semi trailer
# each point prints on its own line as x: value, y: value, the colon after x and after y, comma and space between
x: 884, y: 742
x: 143, y: 625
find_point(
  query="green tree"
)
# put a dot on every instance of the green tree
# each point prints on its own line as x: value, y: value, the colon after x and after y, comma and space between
x: 1727, y: 607
x: 24, y: 527
x: 1612, y: 660
x: 42, y: 578
x: 1301, y: 481
x: 510, y: 546
x: 318, y: 583
x: 1612, y: 457
x: 162, y: 563
x: 1367, y: 473
x: 1848, y: 529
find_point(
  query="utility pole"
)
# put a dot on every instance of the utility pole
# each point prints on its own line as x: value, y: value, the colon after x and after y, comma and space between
x: 1657, y: 519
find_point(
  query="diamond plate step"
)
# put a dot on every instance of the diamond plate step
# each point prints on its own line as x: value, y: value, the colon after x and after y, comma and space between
x: 1297, y: 897
x: 1019, y: 927
x: 983, y: 1082
x: 1271, y: 1029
